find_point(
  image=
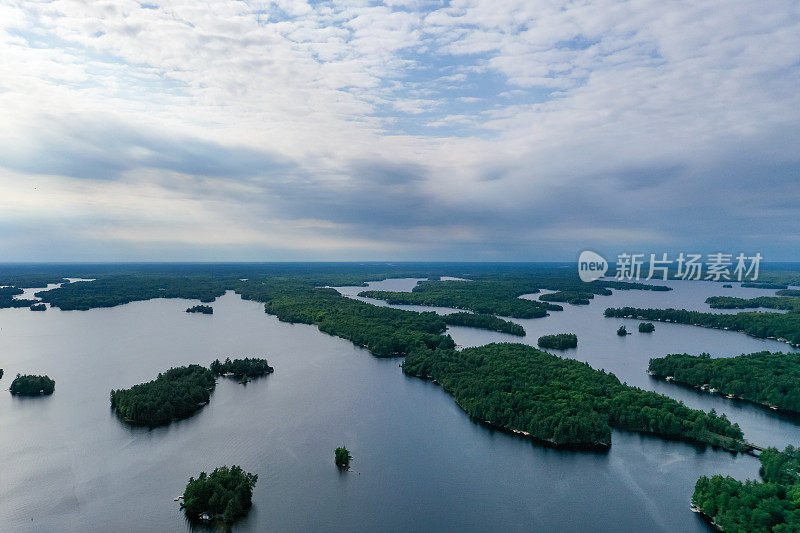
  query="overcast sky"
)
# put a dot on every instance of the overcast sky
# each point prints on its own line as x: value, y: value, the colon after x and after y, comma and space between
x: 399, y: 130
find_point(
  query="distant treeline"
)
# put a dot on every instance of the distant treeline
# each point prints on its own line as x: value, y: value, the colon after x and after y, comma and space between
x: 174, y: 394
x: 762, y: 377
x: 560, y: 341
x: 763, y: 285
x: 563, y: 402
x: 770, y: 302
x: 7, y: 299
x: 782, y: 326
x: 769, y: 506
x: 30, y: 385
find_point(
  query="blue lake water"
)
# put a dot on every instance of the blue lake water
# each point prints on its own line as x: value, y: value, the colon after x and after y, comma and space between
x: 420, y: 463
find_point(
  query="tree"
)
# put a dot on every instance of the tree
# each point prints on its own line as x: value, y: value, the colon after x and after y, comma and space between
x: 342, y: 457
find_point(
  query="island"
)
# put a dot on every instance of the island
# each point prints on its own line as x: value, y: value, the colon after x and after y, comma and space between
x: 772, y: 505
x: 242, y: 368
x: 484, y: 321
x: 622, y: 331
x: 342, y: 457
x: 175, y: 394
x: 226, y: 494
x: 562, y: 402
x: 204, y: 309
x: 560, y: 341
x: 30, y: 385
x: 769, y: 302
x: 769, y: 379
x: 784, y: 327
x: 646, y: 327
x: 570, y: 297
x: 38, y: 307
x: 727, y: 286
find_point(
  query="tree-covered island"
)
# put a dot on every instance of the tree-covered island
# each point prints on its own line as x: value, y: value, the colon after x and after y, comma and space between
x: 769, y: 506
x: 646, y: 327
x: 342, y: 457
x: 560, y: 341
x: 204, y: 309
x: 765, y: 378
x: 226, y: 494
x: 30, y: 385
x: 174, y: 394
x: 239, y: 368
x: 562, y: 402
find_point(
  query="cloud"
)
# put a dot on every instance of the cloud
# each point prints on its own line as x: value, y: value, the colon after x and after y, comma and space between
x: 414, y: 129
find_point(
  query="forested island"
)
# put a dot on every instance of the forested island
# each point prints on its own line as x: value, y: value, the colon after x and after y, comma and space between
x: 247, y: 367
x: 646, y: 327
x: 342, y: 457
x: 38, y: 307
x: 788, y: 292
x: 769, y: 379
x: 204, y: 309
x: 562, y: 402
x: 30, y: 385
x: 226, y: 494
x: 174, y: 394
x: 763, y: 285
x: 570, y: 297
x: 769, y: 302
x: 560, y: 341
x: 490, y: 322
x: 781, y: 326
x: 622, y: 331
x: 501, y: 296
x: 772, y: 505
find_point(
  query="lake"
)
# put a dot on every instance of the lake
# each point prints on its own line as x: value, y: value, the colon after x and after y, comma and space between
x: 420, y: 463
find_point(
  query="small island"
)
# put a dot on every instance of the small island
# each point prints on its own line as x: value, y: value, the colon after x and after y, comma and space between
x: 243, y: 369
x: 342, y: 457
x: 561, y: 341
x: 646, y: 327
x: 727, y: 286
x: 205, y: 309
x: 622, y: 331
x: 226, y: 494
x: 30, y: 385
x: 38, y: 307
x: 175, y: 394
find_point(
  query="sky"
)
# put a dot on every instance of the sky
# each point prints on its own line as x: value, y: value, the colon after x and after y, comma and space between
x: 514, y: 130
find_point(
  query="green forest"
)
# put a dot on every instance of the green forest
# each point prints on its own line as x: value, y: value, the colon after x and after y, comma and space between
x: 769, y: 302
x: 174, y: 394
x: 225, y: 494
x: 7, y: 299
x: 781, y: 326
x: 489, y: 322
x: 769, y: 506
x: 249, y: 367
x: 762, y: 377
x: 30, y: 385
x: 562, y: 402
x: 560, y: 341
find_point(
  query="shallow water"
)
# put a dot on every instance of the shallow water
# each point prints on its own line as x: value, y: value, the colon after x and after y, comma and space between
x: 419, y: 464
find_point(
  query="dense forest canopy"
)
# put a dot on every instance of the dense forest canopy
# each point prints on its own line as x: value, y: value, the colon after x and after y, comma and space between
x: 762, y: 377
x: 771, y: 506
x: 559, y: 341
x: 249, y: 366
x: 563, y: 402
x: 174, y: 394
x: 491, y: 322
x: 782, y: 326
x: 769, y: 302
x: 30, y: 385
x: 227, y: 494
